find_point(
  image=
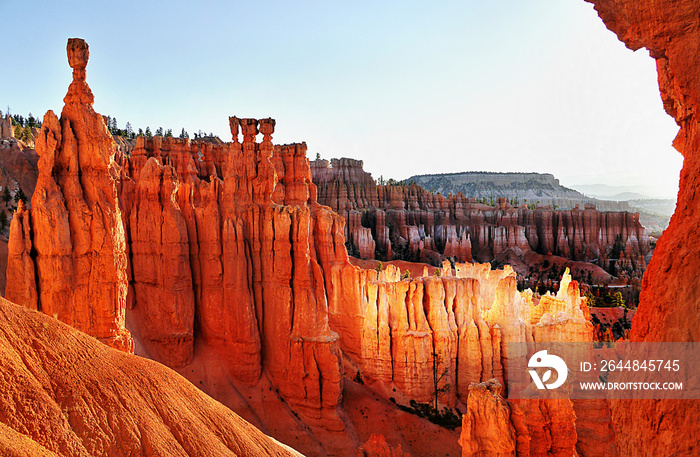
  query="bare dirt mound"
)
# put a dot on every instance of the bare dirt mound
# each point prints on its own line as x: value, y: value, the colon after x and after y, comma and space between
x: 63, y: 392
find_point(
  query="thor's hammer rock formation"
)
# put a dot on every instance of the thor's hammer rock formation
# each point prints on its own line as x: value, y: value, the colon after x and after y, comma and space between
x: 75, y: 221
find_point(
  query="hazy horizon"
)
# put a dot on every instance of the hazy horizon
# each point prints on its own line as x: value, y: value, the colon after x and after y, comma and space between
x: 406, y: 87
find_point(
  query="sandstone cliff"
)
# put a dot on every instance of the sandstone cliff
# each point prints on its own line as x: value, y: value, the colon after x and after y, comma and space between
x: 670, y: 30
x: 466, y: 317
x: 535, y: 426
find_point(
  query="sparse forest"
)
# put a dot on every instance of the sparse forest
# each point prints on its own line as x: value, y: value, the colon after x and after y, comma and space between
x: 129, y: 132
x: 23, y: 128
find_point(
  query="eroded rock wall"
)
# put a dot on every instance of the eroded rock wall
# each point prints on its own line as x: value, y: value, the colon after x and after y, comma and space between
x: 465, y: 317
x: 407, y: 222
x: 242, y: 246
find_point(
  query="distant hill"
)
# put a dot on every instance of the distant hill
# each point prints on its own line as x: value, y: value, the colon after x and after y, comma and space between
x: 622, y: 193
x: 656, y: 206
x: 654, y: 213
x: 542, y: 188
x: 623, y: 197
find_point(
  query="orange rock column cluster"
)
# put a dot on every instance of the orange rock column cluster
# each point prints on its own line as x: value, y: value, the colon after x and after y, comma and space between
x: 243, y: 247
x: 217, y: 242
x: 466, y: 319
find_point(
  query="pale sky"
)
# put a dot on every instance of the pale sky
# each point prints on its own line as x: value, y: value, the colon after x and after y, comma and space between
x: 410, y: 88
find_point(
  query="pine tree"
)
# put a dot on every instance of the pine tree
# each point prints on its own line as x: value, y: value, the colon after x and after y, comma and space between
x: 618, y: 301
x: 148, y: 132
x: 159, y: 131
x: 184, y: 133
x: 129, y: 130
x: 6, y: 197
x: 169, y: 133
x: 3, y: 219
x: 438, y: 377
x: 27, y: 135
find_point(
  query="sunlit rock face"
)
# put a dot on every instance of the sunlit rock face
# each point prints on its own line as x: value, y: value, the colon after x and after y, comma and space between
x: 532, y: 426
x: 670, y: 296
x: 486, y: 407
x: 466, y: 317
x: 76, y: 222
x: 245, y: 244
x: 493, y: 426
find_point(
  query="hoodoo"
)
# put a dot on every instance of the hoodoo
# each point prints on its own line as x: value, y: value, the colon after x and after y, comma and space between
x: 75, y: 221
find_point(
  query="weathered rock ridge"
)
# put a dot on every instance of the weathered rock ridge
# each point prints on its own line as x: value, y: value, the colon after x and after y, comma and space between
x: 407, y: 222
x: 532, y: 187
x: 238, y: 257
x: 670, y: 295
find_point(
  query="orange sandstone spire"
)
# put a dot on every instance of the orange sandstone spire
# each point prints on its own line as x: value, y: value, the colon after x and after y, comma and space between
x: 76, y: 222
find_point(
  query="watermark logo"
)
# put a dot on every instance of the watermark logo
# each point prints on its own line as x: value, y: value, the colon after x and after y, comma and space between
x: 603, y: 370
x: 543, y: 360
